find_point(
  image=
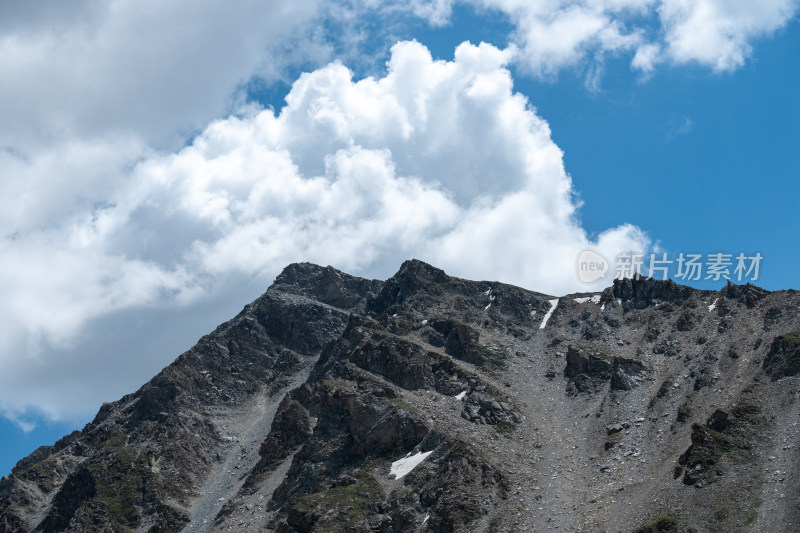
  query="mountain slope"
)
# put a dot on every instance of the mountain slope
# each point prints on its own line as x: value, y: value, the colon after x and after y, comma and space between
x: 432, y: 403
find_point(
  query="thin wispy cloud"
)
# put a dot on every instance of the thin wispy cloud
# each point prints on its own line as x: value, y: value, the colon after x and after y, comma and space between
x: 677, y: 127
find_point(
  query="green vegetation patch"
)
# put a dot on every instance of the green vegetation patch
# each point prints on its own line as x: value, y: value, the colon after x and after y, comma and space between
x: 783, y: 358
x: 792, y: 337
x: 504, y: 428
x: 495, y: 356
x: 731, y: 434
x: 402, y: 404
x: 748, y: 413
x: 45, y: 473
x: 663, y: 523
x: 340, y: 508
x: 684, y: 413
x: 706, y: 449
x: 338, y: 383
x: 593, y: 350
x: 613, y: 439
x: 753, y: 514
x: 119, y: 487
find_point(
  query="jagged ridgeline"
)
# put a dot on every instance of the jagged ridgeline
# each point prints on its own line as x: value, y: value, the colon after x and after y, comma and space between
x: 431, y: 403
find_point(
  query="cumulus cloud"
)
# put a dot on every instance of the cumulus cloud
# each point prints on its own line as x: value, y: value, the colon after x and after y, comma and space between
x: 718, y: 33
x: 155, y: 69
x: 439, y: 160
x: 557, y: 34
x: 351, y: 171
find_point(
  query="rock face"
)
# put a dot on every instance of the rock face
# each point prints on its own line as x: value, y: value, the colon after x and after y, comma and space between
x: 432, y: 403
x: 589, y: 369
x: 783, y: 358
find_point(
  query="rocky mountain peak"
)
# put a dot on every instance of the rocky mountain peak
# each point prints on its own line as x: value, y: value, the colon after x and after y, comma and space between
x: 325, y: 284
x: 748, y: 294
x: 643, y: 291
x: 413, y: 276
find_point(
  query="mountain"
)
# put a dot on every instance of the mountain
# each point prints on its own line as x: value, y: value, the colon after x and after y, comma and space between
x: 431, y: 403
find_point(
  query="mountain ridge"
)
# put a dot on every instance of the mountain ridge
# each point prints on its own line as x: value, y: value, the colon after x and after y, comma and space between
x: 528, y: 414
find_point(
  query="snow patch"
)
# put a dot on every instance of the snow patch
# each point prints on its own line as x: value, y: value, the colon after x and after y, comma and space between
x: 713, y: 305
x: 553, y: 304
x: 424, y: 322
x: 428, y: 515
x: 594, y: 299
x: 403, y: 466
x: 491, y: 299
x: 460, y: 395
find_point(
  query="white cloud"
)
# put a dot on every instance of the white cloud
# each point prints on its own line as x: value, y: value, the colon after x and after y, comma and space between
x: 677, y: 127
x: 437, y: 160
x: 646, y: 58
x: 155, y: 69
x: 718, y: 33
x: 436, y: 11
x: 67, y: 178
x: 556, y: 34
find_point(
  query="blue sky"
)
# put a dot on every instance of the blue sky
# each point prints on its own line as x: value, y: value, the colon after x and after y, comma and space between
x: 154, y: 178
